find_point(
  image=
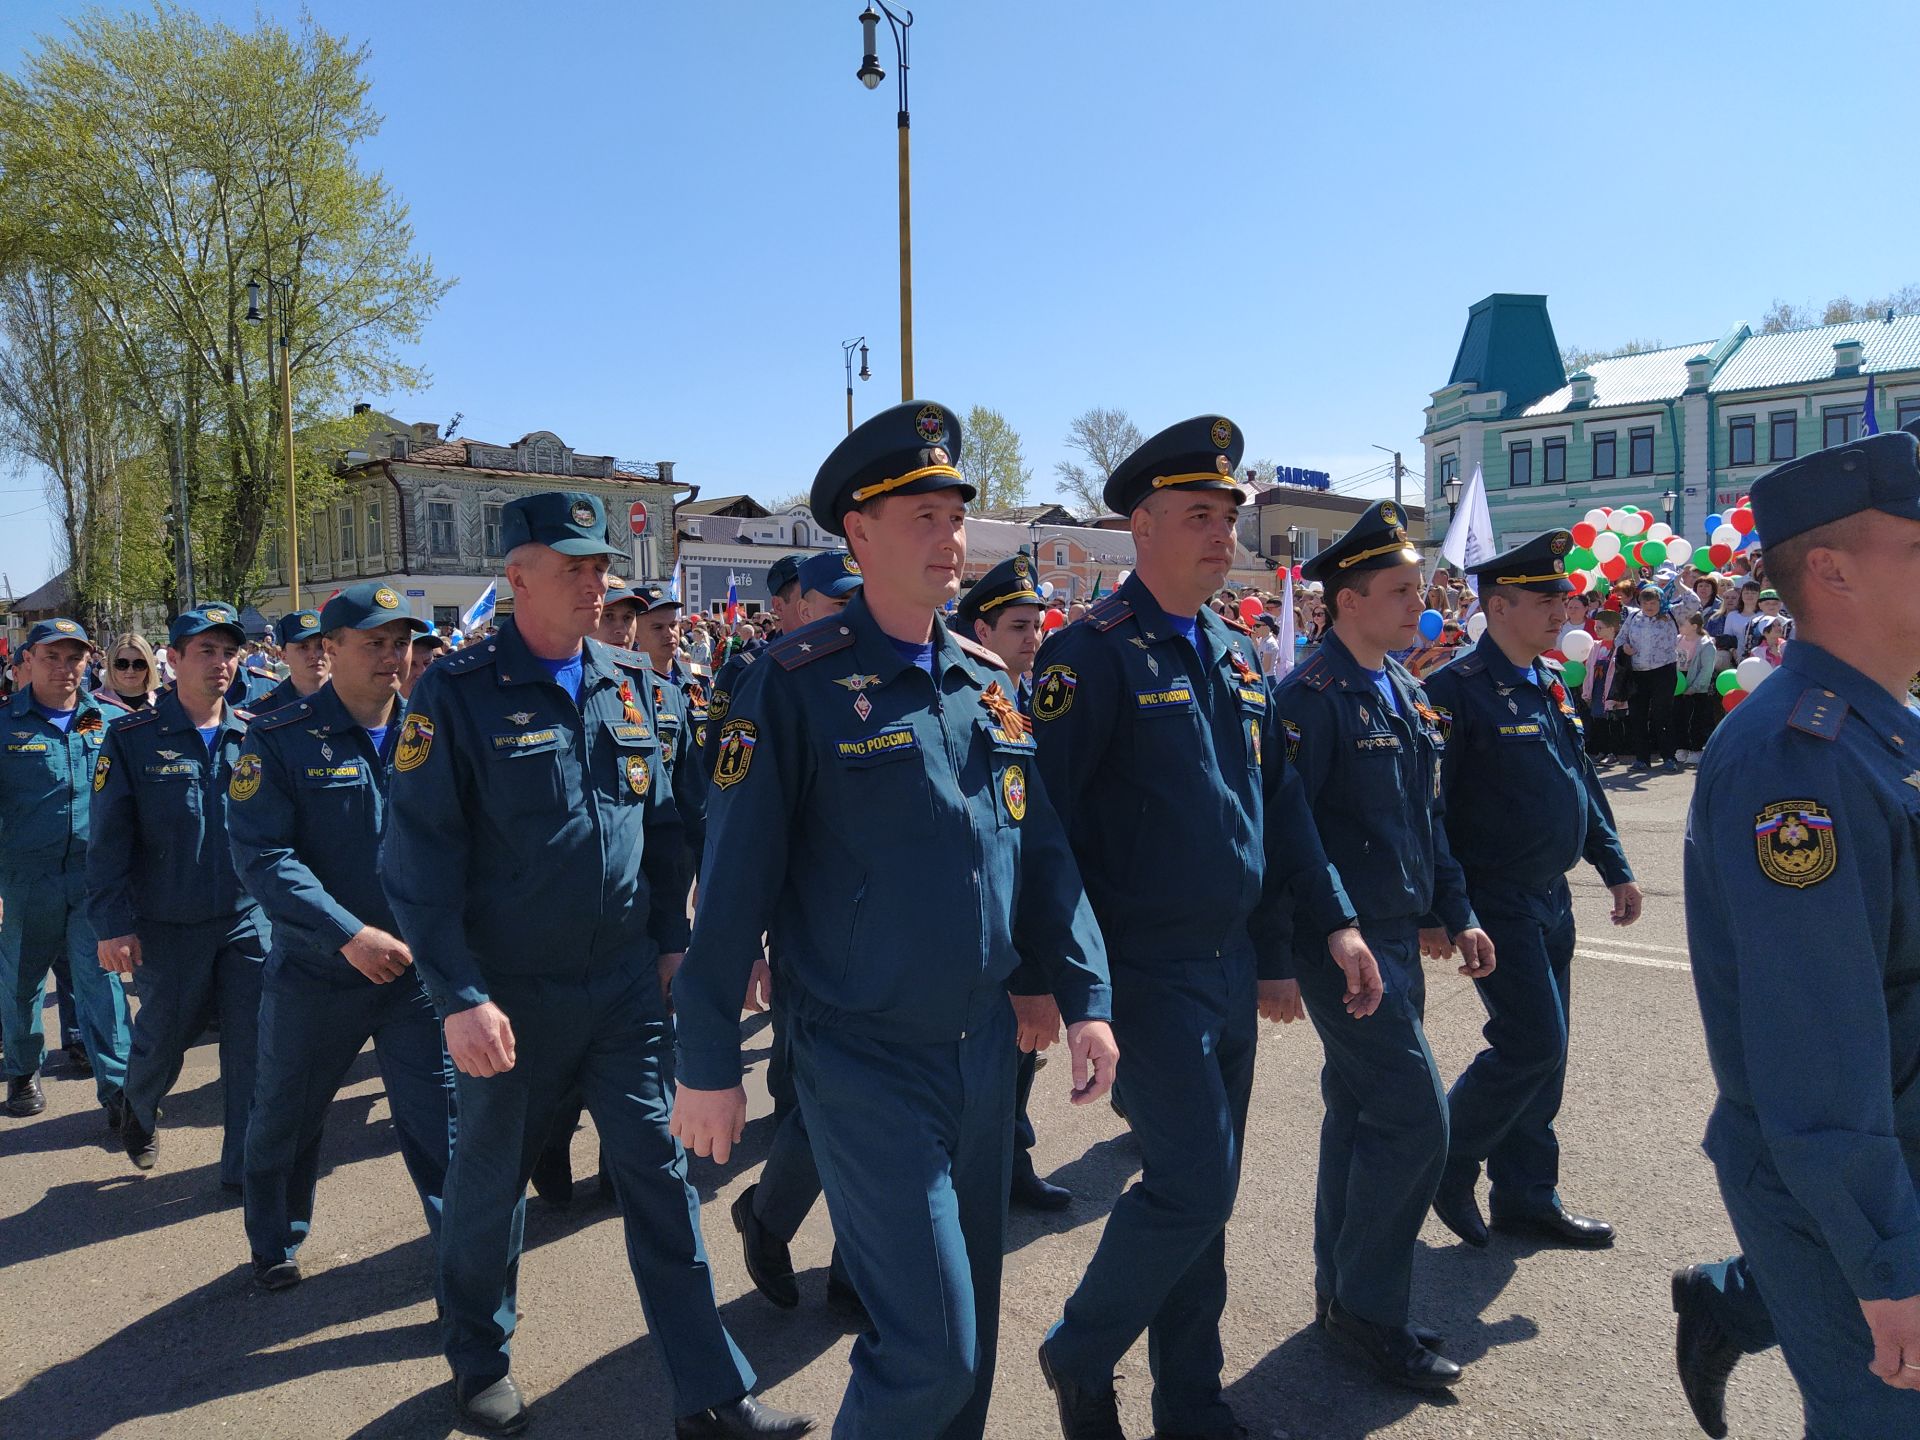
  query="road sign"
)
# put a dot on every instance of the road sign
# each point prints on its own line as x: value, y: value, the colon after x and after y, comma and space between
x: 637, y: 518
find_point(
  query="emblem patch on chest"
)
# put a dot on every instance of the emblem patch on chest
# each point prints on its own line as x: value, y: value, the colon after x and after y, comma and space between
x: 1794, y: 842
x: 639, y: 777
x: 1013, y: 790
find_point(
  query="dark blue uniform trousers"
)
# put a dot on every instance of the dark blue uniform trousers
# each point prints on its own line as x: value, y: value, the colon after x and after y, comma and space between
x: 790, y: 1180
x: 1024, y: 1139
x: 1187, y: 1032
x: 1502, y: 1107
x: 310, y: 1031
x: 1823, y: 1335
x: 188, y: 975
x: 1383, y: 1141
x: 605, y: 1033
x: 913, y: 1141
x: 44, y: 927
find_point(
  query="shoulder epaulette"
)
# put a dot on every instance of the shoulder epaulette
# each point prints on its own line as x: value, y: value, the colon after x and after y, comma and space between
x: 285, y: 715
x: 631, y: 660
x: 1109, y: 612
x: 245, y: 717
x: 1237, y: 625
x: 979, y: 652
x: 810, y: 643
x: 1820, y: 713
x: 471, y: 658
x: 1316, y: 674
x: 1472, y: 663
x: 132, y: 719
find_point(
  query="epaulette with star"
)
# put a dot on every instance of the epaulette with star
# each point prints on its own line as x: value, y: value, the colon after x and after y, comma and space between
x: 810, y: 642
x: 286, y: 715
x: 1109, y: 612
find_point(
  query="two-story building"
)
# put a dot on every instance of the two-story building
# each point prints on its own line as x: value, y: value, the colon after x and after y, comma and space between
x: 1286, y: 524
x: 732, y: 541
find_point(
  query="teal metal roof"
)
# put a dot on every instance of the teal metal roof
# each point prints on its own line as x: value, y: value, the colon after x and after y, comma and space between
x: 1509, y: 346
x: 1642, y: 379
x: 1797, y: 357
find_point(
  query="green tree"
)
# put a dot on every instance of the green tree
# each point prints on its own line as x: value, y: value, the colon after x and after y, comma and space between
x: 1841, y: 310
x: 157, y: 163
x: 993, y: 460
x: 1102, y: 438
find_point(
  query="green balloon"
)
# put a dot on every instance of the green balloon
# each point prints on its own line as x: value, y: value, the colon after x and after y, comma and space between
x: 1581, y: 558
x: 1573, y: 672
x: 1680, y: 682
x: 1726, y: 682
x: 1653, y: 552
x: 1703, y: 558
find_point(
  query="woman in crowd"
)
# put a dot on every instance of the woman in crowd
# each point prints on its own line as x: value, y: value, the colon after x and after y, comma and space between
x: 133, y: 675
x: 1737, y: 614
x: 1650, y: 644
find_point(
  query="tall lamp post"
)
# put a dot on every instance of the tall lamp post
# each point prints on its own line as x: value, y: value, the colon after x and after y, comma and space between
x: 281, y: 305
x: 1293, y: 546
x: 870, y: 73
x: 847, y: 347
x: 1667, y: 502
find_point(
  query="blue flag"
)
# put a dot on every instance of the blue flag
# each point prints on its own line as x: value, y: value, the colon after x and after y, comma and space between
x: 482, y: 611
x: 1868, y: 425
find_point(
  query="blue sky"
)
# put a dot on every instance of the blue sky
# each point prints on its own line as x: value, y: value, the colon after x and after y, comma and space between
x: 665, y: 217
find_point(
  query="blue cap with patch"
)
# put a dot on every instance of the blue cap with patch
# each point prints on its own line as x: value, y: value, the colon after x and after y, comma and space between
x: 1377, y: 540
x: 368, y: 606
x: 1540, y: 564
x: 619, y: 592
x: 1875, y: 472
x: 208, y: 615
x: 61, y: 629
x: 1008, y: 583
x: 653, y: 596
x: 783, y: 572
x: 295, y: 626
x: 907, y: 450
x: 1196, y: 454
x: 833, y: 573
x: 569, y: 521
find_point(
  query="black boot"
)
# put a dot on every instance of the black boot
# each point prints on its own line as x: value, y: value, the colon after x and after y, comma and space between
x: 745, y: 1419
x: 1704, y: 1353
x: 494, y: 1406
x: 1084, y: 1414
x: 1391, y: 1352
x: 24, y: 1096
x: 143, y: 1146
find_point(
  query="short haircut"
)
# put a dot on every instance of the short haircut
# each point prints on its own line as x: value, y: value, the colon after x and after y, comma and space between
x: 1609, y: 618
x: 1787, y: 560
x: 1340, y: 582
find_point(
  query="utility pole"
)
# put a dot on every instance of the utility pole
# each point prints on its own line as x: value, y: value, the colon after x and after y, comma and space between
x: 182, y: 548
x: 1399, y: 473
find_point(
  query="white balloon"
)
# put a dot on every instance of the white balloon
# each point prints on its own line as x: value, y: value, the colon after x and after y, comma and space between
x: 1606, y: 545
x: 1476, y: 625
x: 1751, y: 671
x: 1597, y: 518
x: 1621, y: 523
x: 1577, y: 646
x: 1046, y: 589
x: 1728, y: 536
x: 1660, y: 531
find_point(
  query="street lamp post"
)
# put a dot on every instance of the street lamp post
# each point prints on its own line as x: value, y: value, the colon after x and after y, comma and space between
x: 1293, y: 546
x: 281, y: 305
x: 1452, y: 489
x: 870, y: 73
x: 1667, y: 502
x: 847, y: 347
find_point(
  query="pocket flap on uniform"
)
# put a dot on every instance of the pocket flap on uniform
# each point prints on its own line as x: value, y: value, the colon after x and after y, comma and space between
x: 630, y: 733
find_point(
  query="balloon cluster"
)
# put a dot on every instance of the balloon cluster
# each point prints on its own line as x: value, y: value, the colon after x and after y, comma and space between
x: 1607, y: 541
x: 1728, y: 533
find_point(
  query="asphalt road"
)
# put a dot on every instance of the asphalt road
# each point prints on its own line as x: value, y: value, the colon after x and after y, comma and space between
x: 129, y: 1312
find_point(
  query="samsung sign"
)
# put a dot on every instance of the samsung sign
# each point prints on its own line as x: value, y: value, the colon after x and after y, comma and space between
x: 1294, y: 475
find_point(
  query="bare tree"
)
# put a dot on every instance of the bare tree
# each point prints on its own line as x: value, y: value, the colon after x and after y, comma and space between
x: 1574, y: 358
x: 1841, y: 310
x: 1105, y: 438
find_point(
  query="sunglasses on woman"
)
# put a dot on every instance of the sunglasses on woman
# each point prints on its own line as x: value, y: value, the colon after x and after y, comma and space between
x: 122, y: 663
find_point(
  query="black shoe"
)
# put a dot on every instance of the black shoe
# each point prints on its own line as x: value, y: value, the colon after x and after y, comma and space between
x: 78, y: 1058
x: 276, y: 1274
x: 1030, y: 1192
x: 143, y: 1146
x: 1392, y: 1352
x: 844, y: 1302
x: 1561, y: 1226
x: 1703, y: 1354
x: 1459, y: 1211
x: 495, y: 1406
x: 769, y: 1262
x: 1428, y: 1337
x: 553, y: 1173
x: 746, y: 1417
x: 24, y: 1096
x: 1084, y: 1414
x: 116, y: 1107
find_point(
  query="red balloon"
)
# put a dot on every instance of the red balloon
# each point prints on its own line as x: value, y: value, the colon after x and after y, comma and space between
x: 1615, y: 568
x: 1743, y: 501
x: 1732, y: 698
x: 1584, y: 534
x: 1250, y: 606
x: 1297, y: 572
x: 1579, y: 579
x: 1606, y: 509
x: 1720, y: 554
x: 1741, y: 520
x: 1636, y: 556
x: 1052, y: 620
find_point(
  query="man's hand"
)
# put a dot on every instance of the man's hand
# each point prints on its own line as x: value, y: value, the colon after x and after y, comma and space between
x: 480, y: 1040
x: 121, y: 954
x: 377, y: 955
x: 1434, y: 944
x: 759, y: 988
x: 1365, y: 988
x: 1896, y: 1340
x: 709, y: 1122
x: 1095, y: 1055
x: 1476, y: 950
x: 1039, y: 1020
x: 1280, y: 1001
x: 1627, y: 901
x: 669, y: 966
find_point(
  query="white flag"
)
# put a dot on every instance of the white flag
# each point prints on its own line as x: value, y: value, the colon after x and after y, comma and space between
x: 1470, y: 534
x: 482, y: 611
x: 1286, y: 628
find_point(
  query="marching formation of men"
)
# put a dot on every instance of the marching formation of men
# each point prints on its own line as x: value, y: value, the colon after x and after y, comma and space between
x: 933, y: 850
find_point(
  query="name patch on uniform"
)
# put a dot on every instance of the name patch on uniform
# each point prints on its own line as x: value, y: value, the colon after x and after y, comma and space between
x: 1163, y: 699
x: 244, y: 783
x: 1795, y: 843
x: 1521, y: 730
x: 1013, y: 790
x: 1253, y: 699
x: 895, y: 738
x: 737, y: 739
x: 1377, y: 742
x: 171, y: 768
x: 1009, y: 741
x: 415, y: 743
x: 1053, y: 695
x: 527, y: 739
x: 28, y: 747
x: 326, y: 772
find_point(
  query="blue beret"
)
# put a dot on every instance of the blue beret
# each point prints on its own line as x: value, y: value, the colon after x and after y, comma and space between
x: 367, y: 606
x: 907, y: 450
x: 1378, y: 539
x: 55, y: 630
x: 295, y: 626
x: 1196, y: 454
x: 1875, y: 472
x: 570, y: 521
x: 208, y: 615
x: 1540, y: 564
x: 1008, y: 583
x: 833, y: 573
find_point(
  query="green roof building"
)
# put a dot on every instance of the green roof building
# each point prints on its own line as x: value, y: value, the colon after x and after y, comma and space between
x: 1681, y: 432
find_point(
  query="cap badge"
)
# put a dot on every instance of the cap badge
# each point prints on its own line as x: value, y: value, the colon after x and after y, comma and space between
x: 582, y: 512
x: 218, y: 617
x: 1221, y: 464
x: 65, y: 627
x: 938, y: 456
x: 312, y: 622
x: 1559, y: 567
x: 386, y: 599
x: 1389, y: 515
x: 1558, y: 545
x: 1222, y: 433
x: 930, y: 423
x: 851, y: 565
x: 1020, y: 566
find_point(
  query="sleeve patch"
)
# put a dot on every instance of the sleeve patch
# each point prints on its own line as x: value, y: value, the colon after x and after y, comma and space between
x: 735, y: 756
x: 1053, y: 695
x: 245, y: 782
x: 1795, y: 844
x: 415, y: 744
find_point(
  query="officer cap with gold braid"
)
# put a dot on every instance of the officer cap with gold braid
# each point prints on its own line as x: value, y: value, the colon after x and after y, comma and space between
x: 1006, y: 585
x: 1540, y: 564
x: 1196, y: 454
x: 1377, y: 540
x: 907, y: 450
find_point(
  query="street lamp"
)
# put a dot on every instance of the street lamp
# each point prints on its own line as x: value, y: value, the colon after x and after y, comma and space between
x: 871, y: 75
x: 281, y: 304
x: 1667, y: 503
x: 1452, y: 489
x: 1293, y: 546
x: 847, y: 347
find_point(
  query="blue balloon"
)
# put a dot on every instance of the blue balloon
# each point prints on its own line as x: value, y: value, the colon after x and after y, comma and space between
x: 1714, y: 522
x: 1432, y: 622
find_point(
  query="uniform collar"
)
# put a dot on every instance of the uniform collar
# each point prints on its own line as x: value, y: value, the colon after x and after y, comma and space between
x: 1883, y: 714
x: 1352, y: 675
x: 873, y: 647
x: 170, y: 717
x: 23, y: 704
x: 515, y: 664
x: 1503, y: 670
x: 331, y: 715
